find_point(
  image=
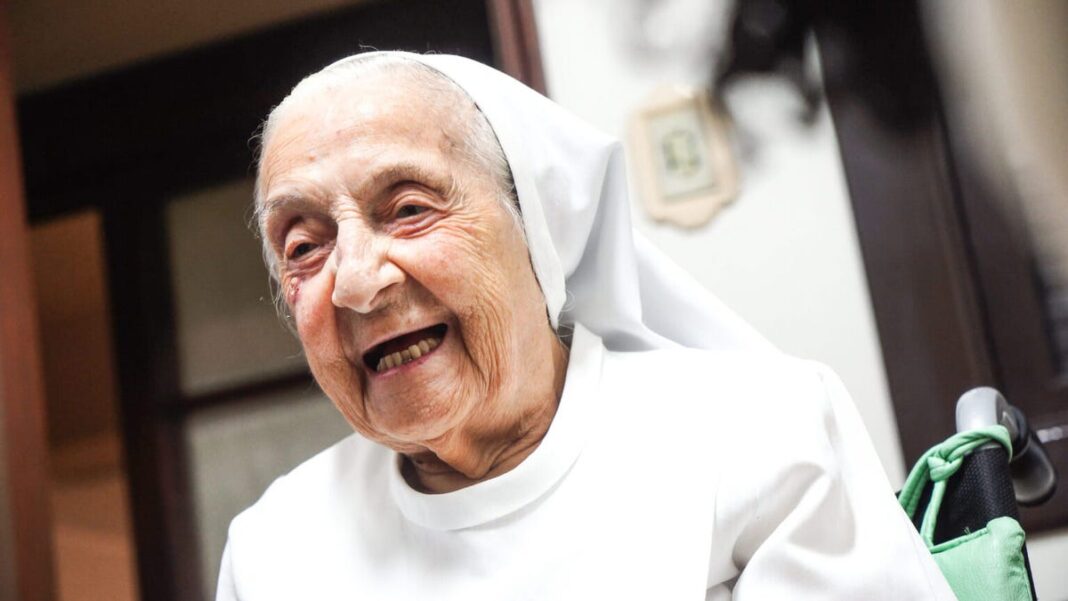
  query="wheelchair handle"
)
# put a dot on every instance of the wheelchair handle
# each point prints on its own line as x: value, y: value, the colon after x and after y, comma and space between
x: 1033, y: 477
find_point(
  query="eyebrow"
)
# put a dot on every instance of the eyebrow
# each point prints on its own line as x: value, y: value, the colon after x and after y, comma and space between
x: 397, y: 173
x: 383, y: 180
x: 277, y: 204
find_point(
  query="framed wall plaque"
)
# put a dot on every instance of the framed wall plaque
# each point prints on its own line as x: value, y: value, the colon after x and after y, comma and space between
x: 682, y: 157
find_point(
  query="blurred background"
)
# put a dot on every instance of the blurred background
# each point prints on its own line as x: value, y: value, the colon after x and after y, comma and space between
x: 900, y: 213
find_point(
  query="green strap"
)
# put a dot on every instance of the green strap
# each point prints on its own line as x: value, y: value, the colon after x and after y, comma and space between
x: 937, y: 465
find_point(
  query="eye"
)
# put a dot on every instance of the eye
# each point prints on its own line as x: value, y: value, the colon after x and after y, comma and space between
x: 410, y: 210
x: 300, y: 250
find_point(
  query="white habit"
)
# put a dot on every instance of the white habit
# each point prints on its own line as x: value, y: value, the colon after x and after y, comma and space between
x: 687, y: 460
x: 667, y: 474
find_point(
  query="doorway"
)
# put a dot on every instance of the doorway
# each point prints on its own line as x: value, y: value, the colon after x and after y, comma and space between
x: 91, y: 524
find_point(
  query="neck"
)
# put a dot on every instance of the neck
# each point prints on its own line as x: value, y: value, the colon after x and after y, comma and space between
x: 474, y: 454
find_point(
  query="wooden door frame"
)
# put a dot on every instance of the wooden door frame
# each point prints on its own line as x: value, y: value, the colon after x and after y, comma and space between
x: 952, y: 289
x: 24, y: 452
x: 515, y: 39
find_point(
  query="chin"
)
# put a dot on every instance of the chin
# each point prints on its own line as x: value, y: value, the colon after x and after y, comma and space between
x: 409, y: 421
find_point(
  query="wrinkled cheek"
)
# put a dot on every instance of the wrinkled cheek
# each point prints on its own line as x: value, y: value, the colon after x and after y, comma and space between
x: 490, y: 336
x: 309, y: 302
x: 316, y: 320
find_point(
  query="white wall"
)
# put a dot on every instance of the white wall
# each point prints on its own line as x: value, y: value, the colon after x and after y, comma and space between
x: 785, y: 255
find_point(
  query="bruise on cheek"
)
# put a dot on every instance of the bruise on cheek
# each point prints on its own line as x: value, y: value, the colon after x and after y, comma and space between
x: 293, y: 291
x: 303, y: 313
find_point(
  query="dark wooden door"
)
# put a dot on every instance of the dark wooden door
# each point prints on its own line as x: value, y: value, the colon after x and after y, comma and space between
x: 957, y: 297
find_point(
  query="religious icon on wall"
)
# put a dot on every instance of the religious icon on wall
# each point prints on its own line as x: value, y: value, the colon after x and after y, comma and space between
x: 682, y: 157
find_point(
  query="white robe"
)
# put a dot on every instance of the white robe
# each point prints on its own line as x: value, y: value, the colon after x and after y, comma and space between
x: 666, y: 474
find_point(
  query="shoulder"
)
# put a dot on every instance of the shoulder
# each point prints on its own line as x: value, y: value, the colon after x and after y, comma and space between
x: 288, y: 545
x: 337, y: 475
x: 725, y: 403
x: 741, y: 383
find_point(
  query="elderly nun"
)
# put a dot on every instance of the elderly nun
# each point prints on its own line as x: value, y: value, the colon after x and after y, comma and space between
x: 545, y: 407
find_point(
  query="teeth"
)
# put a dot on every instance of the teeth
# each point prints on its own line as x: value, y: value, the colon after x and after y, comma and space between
x: 409, y: 354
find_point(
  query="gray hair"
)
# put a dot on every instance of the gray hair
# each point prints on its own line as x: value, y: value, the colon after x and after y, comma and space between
x: 478, y: 145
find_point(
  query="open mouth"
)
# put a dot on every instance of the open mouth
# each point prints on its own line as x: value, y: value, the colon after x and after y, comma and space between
x: 404, y: 348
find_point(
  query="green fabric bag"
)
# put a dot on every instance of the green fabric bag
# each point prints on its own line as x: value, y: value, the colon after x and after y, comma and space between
x: 985, y: 565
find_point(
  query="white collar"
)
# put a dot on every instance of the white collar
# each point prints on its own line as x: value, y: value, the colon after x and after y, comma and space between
x: 540, y: 471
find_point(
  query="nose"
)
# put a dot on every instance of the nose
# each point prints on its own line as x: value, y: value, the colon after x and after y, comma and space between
x: 363, y: 270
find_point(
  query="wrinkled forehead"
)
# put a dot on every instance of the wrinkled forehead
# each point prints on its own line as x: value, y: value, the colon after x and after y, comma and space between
x: 377, y: 108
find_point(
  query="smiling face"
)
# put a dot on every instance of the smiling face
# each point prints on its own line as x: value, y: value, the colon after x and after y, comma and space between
x: 408, y: 280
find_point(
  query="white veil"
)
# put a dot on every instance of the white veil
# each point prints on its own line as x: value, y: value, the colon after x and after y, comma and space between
x: 593, y: 268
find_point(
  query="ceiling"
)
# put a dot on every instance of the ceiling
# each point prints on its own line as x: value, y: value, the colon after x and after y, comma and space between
x: 60, y: 40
